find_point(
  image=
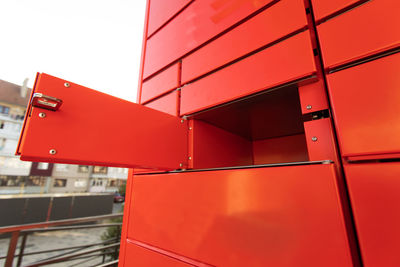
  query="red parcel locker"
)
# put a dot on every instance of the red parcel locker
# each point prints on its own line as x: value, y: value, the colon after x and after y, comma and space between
x: 237, y: 145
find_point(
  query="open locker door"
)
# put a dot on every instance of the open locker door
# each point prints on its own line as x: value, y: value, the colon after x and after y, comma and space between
x: 69, y: 123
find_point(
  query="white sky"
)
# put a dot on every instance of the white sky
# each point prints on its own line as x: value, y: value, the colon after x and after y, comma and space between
x: 95, y: 43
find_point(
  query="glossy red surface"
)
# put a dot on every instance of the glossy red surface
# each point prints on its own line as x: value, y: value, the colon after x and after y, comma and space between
x: 84, y: 131
x: 323, y: 8
x: 167, y: 103
x: 161, y: 11
x: 266, y: 27
x: 214, y: 147
x: 374, y: 192
x: 365, y: 101
x: 278, y: 216
x: 363, y: 31
x: 284, y: 62
x: 160, y: 84
x: 323, y: 148
x: 313, y: 97
x: 197, y: 24
x: 291, y: 148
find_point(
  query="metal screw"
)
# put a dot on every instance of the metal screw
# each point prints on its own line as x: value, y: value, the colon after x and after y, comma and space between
x: 309, y: 107
x: 190, y: 158
x: 52, y: 151
x: 190, y: 128
x: 67, y: 85
x: 181, y: 165
x: 42, y: 115
x: 182, y: 121
x: 314, y: 139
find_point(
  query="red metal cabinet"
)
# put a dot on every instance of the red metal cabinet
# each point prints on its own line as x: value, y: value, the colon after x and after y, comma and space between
x: 374, y: 192
x: 284, y: 62
x: 264, y: 28
x: 365, y: 101
x: 160, y: 84
x: 277, y: 216
x: 198, y: 23
x: 126, y: 135
x: 368, y: 29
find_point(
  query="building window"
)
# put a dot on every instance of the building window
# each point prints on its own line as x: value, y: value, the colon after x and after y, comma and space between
x: 1, y: 124
x: 35, y: 181
x: 4, y: 109
x: 43, y: 166
x: 83, y: 168
x: 6, y: 180
x: 60, y: 182
x: 112, y: 183
x: 100, y: 169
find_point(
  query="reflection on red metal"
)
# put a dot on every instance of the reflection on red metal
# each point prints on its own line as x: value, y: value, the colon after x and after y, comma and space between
x: 255, y: 108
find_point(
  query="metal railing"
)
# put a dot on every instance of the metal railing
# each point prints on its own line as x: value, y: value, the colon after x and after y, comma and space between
x: 85, y: 251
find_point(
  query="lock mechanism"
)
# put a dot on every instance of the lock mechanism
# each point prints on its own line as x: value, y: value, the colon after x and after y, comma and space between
x: 40, y: 100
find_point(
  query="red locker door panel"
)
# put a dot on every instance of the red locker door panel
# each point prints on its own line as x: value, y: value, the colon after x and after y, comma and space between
x: 137, y: 256
x: 161, y: 11
x: 167, y: 103
x: 160, y: 84
x: 97, y: 129
x: 320, y: 140
x: 365, y: 30
x: 323, y: 8
x: 374, y: 192
x: 268, y: 26
x: 278, y: 216
x: 365, y: 102
x: 286, y: 61
x: 197, y: 24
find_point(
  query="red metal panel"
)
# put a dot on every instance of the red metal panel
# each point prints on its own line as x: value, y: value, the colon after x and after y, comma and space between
x: 197, y: 24
x: 167, y: 103
x: 142, y: 58
x: 365, y: 102
x: 214, y: 147
x: 107, y: 130
x: 320, y: 140
x: 284, y: 62
x: 160, y: 84
x: 125, y: 224
x: 142, y: 257
x: 279, y: 216
x: 374, y: 191
x: 365, y: 30
x: 313, y: 97
x: 290, y: 148
x: 161, y: 11
x: 323, y: 8
x: 264, y: 28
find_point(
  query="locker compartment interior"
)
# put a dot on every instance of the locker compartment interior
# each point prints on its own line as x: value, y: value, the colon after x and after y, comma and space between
x: 261, y: 129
